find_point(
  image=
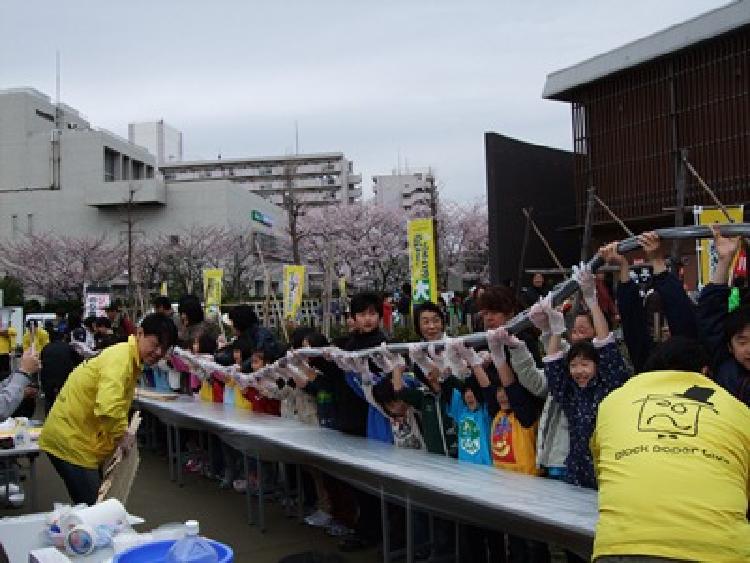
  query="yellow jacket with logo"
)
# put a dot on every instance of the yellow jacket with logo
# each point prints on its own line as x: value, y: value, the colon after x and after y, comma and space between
x: 91, y: 411
x: 8, y: 342
x: 40, y: 341
x: 672, y: 455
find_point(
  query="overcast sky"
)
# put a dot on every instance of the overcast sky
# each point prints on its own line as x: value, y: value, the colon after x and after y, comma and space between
x: 423, y: 79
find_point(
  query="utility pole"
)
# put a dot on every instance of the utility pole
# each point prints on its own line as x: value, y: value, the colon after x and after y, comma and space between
x: 292, y: 206
x: 328, y: 296
x: 434, y: 215
x: 131, y: 192
x: 129, y: 222
x: 57, y: 131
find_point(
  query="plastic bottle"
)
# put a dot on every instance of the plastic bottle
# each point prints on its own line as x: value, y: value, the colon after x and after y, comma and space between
x: 192, y: 548
x: 21, y: 437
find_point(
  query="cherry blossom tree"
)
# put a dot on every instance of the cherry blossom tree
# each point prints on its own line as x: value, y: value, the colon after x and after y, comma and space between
x: 463, y: 239
x: 366, y: 242
x: 55, y: 266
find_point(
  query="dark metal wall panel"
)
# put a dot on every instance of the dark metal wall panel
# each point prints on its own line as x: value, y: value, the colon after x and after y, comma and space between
x: 628, y: 127
x: 524, y: 175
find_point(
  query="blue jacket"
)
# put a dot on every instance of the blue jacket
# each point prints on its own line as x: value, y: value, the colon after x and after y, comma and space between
x: 678, y: 310
x: 580, y: 405
x: 378, y: 426
x: 713, y: 308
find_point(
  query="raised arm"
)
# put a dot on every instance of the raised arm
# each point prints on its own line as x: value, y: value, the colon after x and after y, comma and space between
x: 678, y: 308
x: 587, y: 283
x: 712, y: 302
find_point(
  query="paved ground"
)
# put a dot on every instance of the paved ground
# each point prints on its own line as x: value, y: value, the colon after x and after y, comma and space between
x: 221, y: 514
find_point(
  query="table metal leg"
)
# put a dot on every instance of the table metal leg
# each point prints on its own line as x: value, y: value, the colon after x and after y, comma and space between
x: 385, y: 523
x: 178, y: 457
x: 170, y: 453
x: 210, y: 450
x: 32, y: 485
x: 300, y: 496
x: 431, y: 523
x: 248, y: 494
x: 154, y: 433
x: 261, y: 507
x: 458, y: 541
x: 409, y: 531
x: 287, y: 489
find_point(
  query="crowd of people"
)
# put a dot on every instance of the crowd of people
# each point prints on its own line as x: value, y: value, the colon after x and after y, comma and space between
x: 661, y: 429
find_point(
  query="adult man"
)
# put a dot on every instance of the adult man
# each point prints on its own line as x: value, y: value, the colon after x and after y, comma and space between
x: 122, y: 326
x: 13, y: 388
x: 672, y: 454
x: 163, y: 306
x: 58, y: 360
x: 90, y: 416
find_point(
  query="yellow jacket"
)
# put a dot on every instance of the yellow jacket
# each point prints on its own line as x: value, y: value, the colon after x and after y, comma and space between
x: 91, y: 411
x: 8, y: 342
x: 40, y: 341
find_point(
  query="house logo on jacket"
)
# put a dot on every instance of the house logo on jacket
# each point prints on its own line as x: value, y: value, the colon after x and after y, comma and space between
x: 675, y: 415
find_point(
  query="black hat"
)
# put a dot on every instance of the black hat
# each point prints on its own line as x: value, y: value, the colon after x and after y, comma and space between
x: 700, y: 394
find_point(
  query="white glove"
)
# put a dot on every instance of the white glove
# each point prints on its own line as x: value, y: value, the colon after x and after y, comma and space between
x: 418, y: 355
x: 470, y: 356
x: 538, y: 317
x: 586, y: 282
x: 387, y: 360
x: 297, y: 361
x: 556, y: 318
x: 454, y: 357
x: 342, y: 359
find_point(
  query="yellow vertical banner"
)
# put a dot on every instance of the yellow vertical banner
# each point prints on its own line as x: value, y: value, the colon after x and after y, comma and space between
x: 294, y: 286
x: 342, y: 287
x: 163, y: 289
x: 706, y: 249
x: 212, y: 290
x: 422, y: 261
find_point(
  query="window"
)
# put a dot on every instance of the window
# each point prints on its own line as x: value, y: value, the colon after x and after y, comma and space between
x: 174, y: 240
x: 258, y: 288
x: 14, y: 224
x: 149, y: 171
x: 110, y: 164
x: 45, y: 115
x: 29, y: 224
x: 126, y: 168
x: 139, y: 170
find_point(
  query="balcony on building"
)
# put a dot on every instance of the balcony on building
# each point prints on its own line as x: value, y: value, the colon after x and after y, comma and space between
x: 148, y: 191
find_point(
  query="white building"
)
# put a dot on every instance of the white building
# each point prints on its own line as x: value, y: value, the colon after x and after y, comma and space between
x: 412, y: 191
x: 77, y: 180
x: 160, y: 139
x: 311, y: 179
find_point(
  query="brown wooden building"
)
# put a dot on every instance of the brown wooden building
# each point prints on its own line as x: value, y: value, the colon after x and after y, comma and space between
x: 637, y: 109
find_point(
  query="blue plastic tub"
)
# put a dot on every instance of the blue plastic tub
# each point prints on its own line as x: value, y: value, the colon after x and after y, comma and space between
x: 156, y: 552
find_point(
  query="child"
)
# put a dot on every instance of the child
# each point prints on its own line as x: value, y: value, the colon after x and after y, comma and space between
x: 404, y: 426
x: 677, y: 306
x: 354, y: 416
x: 466, y: 406
x: 319, y: 376
x: 514, y: 410
x: 725, y: 335
x: 580, y: 380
